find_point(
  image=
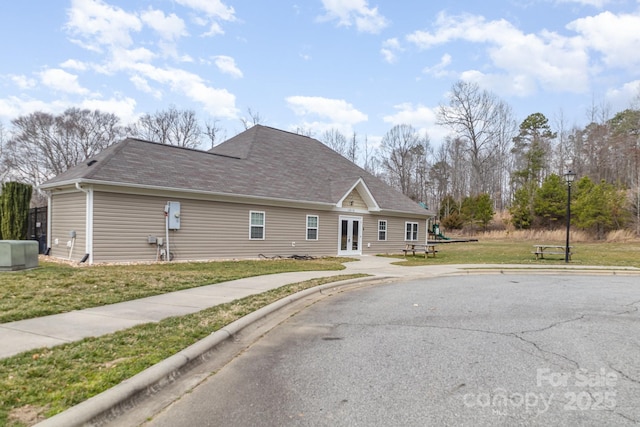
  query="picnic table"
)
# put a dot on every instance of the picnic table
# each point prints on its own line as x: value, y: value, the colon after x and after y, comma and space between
x: 543, y: 249
x: 427, y: 248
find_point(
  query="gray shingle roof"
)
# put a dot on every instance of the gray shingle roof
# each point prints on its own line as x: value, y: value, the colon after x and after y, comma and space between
x: 261, y: 162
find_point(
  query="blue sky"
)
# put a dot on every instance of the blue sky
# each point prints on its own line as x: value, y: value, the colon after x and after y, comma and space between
x: 355, y: 65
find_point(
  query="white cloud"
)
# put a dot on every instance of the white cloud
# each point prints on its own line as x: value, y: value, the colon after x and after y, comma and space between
x: 420, y: 117
x: 350, y: 12
x: 616, y: 37
x: 170, y: 27
x: 328, y: 114
x: 552, y: 61
x: 101, y: 24
x: 336, y: 110
x: 217, y: 102
x: 214, y: 10
x: 74, y: 64
x: 227, y: 65
x: 626, y: 96
x: 440, y: 69
x: 124, y: 59
x: 121, y: 107
x: 596, y: 3
x: 62, y: 81
x: 13, y: 106
x: 143, y: 85
x: 389, y: 49
x: 23, y: 82
x: 520, y: 84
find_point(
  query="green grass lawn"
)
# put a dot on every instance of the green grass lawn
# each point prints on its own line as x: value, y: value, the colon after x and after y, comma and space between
x: 44, y: 382
x: 519, y: 252
x: 56, y: 288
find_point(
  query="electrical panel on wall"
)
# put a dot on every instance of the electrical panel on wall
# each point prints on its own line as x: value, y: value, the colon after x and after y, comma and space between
x: 174, y: 215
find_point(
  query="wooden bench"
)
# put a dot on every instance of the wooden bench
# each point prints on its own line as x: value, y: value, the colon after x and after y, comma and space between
x: 544, y: 249
x: 428, y: 248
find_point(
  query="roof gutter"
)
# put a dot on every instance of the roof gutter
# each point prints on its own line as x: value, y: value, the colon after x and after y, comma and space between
x: 252, y: 199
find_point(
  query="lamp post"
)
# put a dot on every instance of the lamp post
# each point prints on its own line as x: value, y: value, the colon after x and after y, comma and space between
x: 568, y: 177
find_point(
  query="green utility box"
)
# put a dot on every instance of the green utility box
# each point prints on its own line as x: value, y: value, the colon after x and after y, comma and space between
x: 18, y: 254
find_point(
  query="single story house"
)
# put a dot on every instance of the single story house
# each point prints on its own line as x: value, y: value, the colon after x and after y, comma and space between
x: 263, y: 192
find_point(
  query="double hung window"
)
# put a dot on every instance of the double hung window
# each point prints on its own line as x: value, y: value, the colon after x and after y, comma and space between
x: 411, y: 234
x: 256, y: 225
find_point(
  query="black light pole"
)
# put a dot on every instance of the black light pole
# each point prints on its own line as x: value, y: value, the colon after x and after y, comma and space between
x: 568, y: 177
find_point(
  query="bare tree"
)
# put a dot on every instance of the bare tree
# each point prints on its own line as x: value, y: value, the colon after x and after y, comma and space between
x: 370, y: 161
x: 213, y: 133
x: 561, y: 161
x: 403, y: 151
x: 475, y: 116
x: 254, y: 119
x: 335, y: 140
x: 304, y: 131
x: 457, y: 157
x: 4, y: 171
x: 43, y: 145
x: 171, y: 126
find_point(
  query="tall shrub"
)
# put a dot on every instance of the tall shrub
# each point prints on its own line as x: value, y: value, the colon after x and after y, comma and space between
x: 14, y: 204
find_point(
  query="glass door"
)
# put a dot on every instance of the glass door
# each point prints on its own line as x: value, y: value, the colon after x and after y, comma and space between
x: 350, y: 236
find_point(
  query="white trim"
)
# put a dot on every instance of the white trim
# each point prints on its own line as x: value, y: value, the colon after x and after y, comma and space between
x: 417, y: 231
x: 88, y: 225
x: 350, y: 251
x: 127, y: 188
x: 317, y: 227
x: 264, y: 225
x: 364, y: 192
x: 49, y: 217
x: 187, y: 193
x: 386, y: 230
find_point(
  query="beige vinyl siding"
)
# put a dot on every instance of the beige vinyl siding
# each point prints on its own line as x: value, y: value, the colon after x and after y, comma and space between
x: 208, y: 230
x: 220, y: 230
x: 68, y: 214
x: 354, y: 201
x: 122, y: 224
x: 395, y: 234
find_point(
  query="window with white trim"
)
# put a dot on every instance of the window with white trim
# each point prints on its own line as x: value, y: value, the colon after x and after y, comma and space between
x: 382, y: 229
x: 312, y: 227
x: 411, y: 234
x: 256, y: 225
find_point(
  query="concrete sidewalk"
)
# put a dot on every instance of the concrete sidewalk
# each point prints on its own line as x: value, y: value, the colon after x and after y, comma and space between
x: 148, y: 389
x: 17, y: 337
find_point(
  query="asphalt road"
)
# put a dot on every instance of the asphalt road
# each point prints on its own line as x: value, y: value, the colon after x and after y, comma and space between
x: 477, y: 350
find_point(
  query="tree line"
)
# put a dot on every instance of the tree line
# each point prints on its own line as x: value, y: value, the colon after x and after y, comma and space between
x: 488, y: 162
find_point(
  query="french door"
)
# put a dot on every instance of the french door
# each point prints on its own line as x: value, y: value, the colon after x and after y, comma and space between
x: 350, y: 235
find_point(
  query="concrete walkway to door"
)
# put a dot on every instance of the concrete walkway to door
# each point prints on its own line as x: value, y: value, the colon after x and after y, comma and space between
x: 23, y: 335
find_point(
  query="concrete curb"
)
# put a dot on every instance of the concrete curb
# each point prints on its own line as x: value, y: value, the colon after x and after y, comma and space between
x: 113, y: 402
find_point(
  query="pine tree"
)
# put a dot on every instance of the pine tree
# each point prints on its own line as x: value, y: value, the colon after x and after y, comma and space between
x: 550, y: 203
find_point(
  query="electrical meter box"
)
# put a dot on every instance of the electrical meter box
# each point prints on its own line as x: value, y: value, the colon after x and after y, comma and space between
x: 173, y: 213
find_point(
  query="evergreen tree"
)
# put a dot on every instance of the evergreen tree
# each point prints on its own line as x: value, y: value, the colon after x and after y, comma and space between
x: 598, y: 208
x: 550, y: 204
x: 484, y: 210
x: 521, y: 215
x: 449, y: 214
x: 477, y: 210
x: 14, y: 204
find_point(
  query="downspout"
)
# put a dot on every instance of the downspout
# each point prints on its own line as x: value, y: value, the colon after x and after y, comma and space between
x: 49, y: 218
x: 88, y: 223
